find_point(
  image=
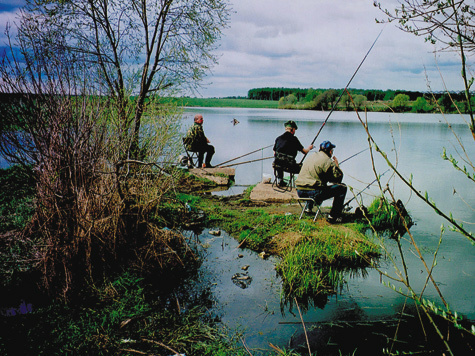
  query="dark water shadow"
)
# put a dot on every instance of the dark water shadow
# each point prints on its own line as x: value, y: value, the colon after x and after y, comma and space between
x: 408, y: 331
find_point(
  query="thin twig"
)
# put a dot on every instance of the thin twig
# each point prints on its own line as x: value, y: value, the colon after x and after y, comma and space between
x: 304, y: 329
x: 162, y: 345
x: 245, y: 346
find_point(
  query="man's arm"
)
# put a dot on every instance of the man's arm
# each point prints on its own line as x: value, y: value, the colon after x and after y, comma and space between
x: 307, y: 150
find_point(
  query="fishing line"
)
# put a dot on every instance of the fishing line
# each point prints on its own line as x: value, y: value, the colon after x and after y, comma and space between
x: 356, y: 154
x: 369, y: 185
x: 237, y: 164
x: 329, y: 114
x: 244, y: 155
x: 343, y: 91
x: 264, y: 158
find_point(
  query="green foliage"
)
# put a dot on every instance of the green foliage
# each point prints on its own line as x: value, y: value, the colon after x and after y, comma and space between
x: 287, y: 101
x: 359, y: 101
x: 223, y: 102
x: 384, y: 216
x: 446, y: 103
x: 421, y: 105
x: 390, y: 94
x: 275, y: 93
x: 316, y: 265
x: 254, y: 226
x: 125, y: 320
x: 16, y: 197
x: 400, y: 102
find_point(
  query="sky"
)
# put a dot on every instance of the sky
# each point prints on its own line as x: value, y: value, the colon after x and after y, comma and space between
x: 315, y: 44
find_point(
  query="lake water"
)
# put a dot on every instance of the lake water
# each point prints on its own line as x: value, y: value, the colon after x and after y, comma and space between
x: 415, y: 142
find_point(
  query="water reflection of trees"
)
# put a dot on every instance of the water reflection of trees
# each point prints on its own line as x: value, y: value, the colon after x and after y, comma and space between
x: 331, y: 281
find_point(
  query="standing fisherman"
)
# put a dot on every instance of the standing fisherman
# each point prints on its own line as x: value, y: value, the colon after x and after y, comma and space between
x: 319, y: 169
x: 196, y: 141
x: 285, y: 150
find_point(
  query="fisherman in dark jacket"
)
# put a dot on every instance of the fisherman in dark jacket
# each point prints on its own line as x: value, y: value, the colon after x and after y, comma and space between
x: 196, y: 141
x: 286, y: 148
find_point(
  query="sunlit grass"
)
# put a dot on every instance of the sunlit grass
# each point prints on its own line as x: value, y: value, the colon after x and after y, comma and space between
x: 314, y: 256
x: 224, y: 102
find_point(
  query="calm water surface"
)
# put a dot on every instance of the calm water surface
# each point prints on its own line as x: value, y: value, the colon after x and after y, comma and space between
x: 415, y: 142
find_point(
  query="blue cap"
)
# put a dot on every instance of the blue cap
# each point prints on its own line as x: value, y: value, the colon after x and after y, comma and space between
x: 326, y: 146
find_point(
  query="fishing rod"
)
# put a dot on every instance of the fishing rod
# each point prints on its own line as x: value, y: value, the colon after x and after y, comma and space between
x: 244, y: 155
x: 343, y: 91
x: 369, y: 185
x: 356, y: 154
x: 329, y: 114
x: 262, y: 159
x: 254, y: 160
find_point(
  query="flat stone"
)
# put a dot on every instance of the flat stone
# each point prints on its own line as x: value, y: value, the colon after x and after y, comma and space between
x: 220, y: 176
x: 268, y: 193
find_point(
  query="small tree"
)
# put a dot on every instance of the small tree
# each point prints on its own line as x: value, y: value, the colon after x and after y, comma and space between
x: 287, y: 101
x: 138, y: 47
x: 421, y: 105
x: 445, y: 103
x: 359, y: 101
x: 400, y: 102
x: 331, y: 95
x: 92, y: 212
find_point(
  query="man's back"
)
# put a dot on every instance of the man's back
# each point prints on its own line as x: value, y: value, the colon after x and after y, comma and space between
x: 317, y: 170
x: 195, y: 138
x: 287, y: 144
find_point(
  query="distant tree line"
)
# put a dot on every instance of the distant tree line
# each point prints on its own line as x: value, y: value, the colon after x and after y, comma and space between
x: 371, y: 99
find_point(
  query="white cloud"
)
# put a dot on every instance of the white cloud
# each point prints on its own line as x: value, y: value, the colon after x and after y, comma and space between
x: 314, y: 43
x: 319, y: 43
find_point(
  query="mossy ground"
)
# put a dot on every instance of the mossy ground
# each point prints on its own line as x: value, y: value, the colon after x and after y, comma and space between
x: 313, y: 255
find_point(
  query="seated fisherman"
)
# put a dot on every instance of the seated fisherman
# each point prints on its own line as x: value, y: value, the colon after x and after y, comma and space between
x: 196, y: 141
x: 286, y: 147
x: 319, y: 169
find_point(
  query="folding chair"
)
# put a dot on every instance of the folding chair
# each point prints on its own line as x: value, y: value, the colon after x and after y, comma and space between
x: 288, y: 165
x: 303, y: 202
x: 290, y: 182
x: 192, y: 156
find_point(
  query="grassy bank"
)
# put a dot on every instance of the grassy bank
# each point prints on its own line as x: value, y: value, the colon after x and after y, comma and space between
x: 132, y: 314
x: 313, y: 256
x: 224, y: 103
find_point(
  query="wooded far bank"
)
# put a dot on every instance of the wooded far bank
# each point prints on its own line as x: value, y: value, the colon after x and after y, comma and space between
x: 324, y: 99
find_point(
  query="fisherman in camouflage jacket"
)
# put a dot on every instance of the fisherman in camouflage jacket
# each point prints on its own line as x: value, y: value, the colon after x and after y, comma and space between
x: 196, y: 141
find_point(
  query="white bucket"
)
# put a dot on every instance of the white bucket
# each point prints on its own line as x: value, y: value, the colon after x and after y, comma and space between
x: 266, y: 178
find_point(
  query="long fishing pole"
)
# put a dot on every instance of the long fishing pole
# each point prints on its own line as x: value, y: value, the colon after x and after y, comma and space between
x: 262, y: 159
x: 254, y: 160
x: 244, y: 155
x: 356, y: 154
x: 343, y: 91
x: 369, y: 185
x: 329, y: 114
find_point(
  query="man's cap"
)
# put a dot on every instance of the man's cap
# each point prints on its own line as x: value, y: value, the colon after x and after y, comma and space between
x: 326, y: 146
x: 291, y: 124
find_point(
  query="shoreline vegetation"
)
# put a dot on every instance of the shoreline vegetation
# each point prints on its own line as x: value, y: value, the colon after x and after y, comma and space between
x: 324, y: 99
x: 122, y: 314
x: 127, y: 303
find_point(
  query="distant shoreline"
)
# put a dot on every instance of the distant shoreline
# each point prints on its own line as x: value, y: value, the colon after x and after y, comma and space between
x: 256, y: 104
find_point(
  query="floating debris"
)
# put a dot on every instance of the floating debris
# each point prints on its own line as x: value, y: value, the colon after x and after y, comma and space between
x: 245, y: 268
x: 241, y: 280
x: 263, y: 255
